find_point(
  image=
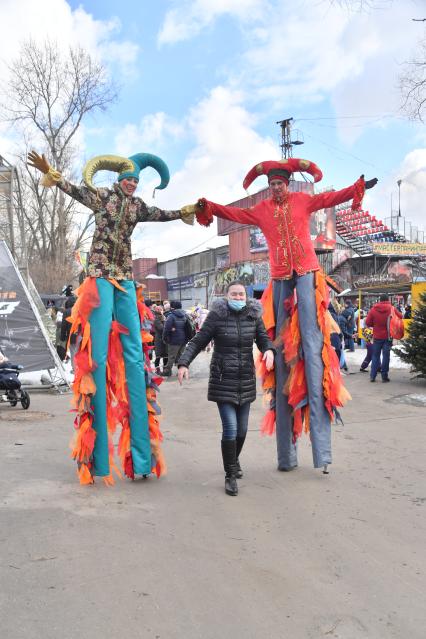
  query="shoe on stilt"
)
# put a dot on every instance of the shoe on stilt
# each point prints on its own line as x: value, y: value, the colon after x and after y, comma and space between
x: 229, y: 456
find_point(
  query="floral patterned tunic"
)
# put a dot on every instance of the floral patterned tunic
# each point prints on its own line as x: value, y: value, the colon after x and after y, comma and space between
x: 116, y: 216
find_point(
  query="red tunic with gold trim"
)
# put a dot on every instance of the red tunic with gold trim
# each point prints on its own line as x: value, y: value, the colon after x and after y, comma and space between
x: 285, y: 226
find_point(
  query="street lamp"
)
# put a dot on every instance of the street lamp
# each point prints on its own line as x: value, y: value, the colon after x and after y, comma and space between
x: 399, y: 197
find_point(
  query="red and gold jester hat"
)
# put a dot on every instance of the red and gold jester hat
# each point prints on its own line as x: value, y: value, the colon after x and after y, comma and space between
x: 282, y: 169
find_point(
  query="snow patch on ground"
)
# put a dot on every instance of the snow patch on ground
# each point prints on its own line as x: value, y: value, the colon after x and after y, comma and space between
x: 418, y: 398
x: 42, y: 378
x: 355, y: 359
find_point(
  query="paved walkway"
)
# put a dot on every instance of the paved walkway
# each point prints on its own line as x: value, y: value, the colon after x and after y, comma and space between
x: 299, y: 555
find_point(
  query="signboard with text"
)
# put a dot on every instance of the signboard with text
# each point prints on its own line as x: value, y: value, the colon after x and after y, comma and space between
x: 397, y: 272
x: 177, y: 283
x: 399, y: 248
x: 21, y: 336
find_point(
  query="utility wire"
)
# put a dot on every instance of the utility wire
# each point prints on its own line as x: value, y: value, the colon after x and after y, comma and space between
x: 334, y: 148
x: 147, y: 248
x: 195, y: 247
x: 346, y: 117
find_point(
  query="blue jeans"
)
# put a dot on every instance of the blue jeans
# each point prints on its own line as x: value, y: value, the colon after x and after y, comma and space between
x: 349, y: 343
x: 234, y: 419
x: 383, y: 347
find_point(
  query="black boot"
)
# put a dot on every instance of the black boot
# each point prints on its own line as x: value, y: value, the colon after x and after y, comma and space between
x: 240, y: 444
x: 229, y: 456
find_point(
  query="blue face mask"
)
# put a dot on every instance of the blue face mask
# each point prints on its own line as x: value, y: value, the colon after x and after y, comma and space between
x: 236, y: 305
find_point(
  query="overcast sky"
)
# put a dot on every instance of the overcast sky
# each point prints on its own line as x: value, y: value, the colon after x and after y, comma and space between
x: 204, y: 81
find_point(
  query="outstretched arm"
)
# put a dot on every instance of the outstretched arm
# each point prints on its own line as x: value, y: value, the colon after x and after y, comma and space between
x: 154, y: 214
x: 51, y: 177
x: 205, y: 211
x: 332, y: 198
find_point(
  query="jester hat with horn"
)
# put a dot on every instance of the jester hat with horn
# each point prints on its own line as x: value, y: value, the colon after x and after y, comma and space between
x: 125, y: 167
x: 282, y: 169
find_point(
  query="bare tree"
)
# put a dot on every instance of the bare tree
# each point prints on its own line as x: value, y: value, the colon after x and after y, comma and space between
x: 48, y: 95
x: 413, y: 84
x: 361, y: 5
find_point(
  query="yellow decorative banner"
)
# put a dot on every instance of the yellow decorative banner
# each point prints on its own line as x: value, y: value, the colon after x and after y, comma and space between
x: 398, y: 248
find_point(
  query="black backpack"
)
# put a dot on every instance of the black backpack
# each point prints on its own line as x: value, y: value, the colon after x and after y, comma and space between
x: 189, y: 329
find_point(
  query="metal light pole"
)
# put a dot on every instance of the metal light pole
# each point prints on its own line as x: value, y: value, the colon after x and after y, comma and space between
x: 399, y: 197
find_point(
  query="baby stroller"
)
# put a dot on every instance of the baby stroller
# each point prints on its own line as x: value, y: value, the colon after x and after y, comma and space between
x: 10, y: 385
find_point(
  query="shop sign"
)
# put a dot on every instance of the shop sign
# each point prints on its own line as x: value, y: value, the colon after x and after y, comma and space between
x: 177, y: 283
x: 397, y: 272
x: 399, y: 248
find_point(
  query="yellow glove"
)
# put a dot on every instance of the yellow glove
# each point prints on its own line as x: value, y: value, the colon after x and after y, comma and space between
x: 188, y: 213
x: 39, y: 162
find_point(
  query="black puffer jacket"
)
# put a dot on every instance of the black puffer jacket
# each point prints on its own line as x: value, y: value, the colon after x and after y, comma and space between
x: 232, y: 374
x: 158, y: 327
x: 174, y: 329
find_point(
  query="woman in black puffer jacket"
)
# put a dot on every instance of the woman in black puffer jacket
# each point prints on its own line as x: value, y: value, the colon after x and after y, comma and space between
x: 233, y: 323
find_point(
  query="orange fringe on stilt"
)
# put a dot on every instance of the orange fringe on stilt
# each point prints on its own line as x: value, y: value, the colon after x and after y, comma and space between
x: 118, y: 410
x: 83, y: 386
x: 159, y: 466
x: 290, y: 342
x: 335, y: 394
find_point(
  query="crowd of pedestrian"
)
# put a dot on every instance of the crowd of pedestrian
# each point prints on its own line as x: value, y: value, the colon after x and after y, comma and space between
x: 370, y: 329
x: 174, y: 327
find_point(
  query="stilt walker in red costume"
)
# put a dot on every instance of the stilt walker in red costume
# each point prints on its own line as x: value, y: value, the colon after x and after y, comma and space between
x: 306, y: 386
x: 114, y: 384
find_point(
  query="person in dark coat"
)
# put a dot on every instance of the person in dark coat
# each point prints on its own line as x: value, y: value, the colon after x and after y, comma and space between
x: 66, y: 327
x: 9, y: 380
x: 335, y: 338
x: 234, y: 323
x: 176, y: 334
x: 160, y: 347
x: 349, y: 314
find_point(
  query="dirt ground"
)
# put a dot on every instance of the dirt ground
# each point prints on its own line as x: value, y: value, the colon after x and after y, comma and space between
x: 301, y: 554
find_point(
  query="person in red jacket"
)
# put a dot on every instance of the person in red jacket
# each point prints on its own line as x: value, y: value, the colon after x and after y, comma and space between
x: 378, y: 320
x: 307, y: 385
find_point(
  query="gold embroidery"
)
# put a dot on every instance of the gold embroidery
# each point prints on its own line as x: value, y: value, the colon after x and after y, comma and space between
x: 290, y: 249
x: 284, y: 247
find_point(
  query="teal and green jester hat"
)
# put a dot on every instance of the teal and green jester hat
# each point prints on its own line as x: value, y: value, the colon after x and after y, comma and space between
x: 125, y: 167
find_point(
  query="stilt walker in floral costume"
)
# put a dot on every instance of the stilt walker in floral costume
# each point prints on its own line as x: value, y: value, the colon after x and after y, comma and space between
x: 306, y: 386
x: 113, y: 384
